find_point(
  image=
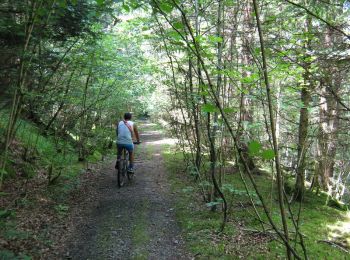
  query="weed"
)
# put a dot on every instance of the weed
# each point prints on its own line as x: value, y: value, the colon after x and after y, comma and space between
x: 62, y: 210
x: 6, y: 254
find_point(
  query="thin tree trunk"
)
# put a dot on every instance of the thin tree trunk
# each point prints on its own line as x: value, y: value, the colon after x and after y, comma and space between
x: 280, y: 184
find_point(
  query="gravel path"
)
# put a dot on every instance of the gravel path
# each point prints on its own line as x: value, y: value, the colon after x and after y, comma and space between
x: 134, y: 222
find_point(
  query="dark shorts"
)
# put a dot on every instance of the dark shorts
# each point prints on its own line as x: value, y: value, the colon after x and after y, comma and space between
x: 128, y: 147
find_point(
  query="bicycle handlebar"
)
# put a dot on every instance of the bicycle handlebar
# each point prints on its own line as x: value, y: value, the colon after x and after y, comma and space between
x: 137, y: 142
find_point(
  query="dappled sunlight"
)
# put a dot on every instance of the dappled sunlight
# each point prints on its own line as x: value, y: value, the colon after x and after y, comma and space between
x: 149, y: 124
x: 150, y: 133
x: 340, y: 230
x: 75, y: 137
x: 170, y: 141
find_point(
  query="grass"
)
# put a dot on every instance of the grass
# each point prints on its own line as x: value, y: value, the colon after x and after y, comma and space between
x: 140, y: 236
x: 32, y: 155
x: 41, y: 151
x: 200, y: 225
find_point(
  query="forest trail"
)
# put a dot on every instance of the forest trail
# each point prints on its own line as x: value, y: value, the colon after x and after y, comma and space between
x: 134, y: 222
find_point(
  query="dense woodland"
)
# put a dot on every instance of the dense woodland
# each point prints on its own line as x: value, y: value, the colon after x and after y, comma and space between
x: 254, y: 88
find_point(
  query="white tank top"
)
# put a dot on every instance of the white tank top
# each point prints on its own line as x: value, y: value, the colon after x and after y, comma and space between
x: 124, y: 134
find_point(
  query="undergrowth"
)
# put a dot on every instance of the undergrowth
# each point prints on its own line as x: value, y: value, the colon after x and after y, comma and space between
x: 32, y: 152
x: 41, y: 172
x: 243, y: 236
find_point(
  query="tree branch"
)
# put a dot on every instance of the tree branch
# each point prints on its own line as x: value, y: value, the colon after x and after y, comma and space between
x: 319, y: 18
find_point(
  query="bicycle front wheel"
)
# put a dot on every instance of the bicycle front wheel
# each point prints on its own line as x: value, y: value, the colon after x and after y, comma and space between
x: 130, y: 176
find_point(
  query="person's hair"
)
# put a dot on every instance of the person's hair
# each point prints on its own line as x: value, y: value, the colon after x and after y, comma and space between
x: 127, y: 116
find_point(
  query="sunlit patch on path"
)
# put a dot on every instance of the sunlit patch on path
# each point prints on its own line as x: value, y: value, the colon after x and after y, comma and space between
x: 169, y: 141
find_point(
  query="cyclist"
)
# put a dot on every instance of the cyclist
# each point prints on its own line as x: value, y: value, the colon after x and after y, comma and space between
x: 126, y: 130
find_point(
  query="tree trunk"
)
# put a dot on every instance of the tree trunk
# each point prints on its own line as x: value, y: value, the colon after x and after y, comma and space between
x: 305, y: 98
x: 246, y: 106
x: 329, y: 113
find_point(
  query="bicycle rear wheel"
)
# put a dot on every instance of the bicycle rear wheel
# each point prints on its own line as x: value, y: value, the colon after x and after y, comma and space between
x: 122, y: 170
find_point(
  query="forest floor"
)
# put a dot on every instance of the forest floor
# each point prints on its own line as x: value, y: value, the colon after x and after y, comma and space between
x: 136, y: 221
x: 86, y: 216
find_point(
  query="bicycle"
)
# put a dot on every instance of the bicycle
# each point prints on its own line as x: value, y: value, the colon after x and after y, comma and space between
x: 122, y: 169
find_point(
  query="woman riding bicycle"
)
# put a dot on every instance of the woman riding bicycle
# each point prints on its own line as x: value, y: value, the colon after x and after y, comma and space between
x: 126, y: 130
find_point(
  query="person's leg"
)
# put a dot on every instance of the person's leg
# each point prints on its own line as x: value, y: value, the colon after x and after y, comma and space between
x: 130, y: 149
x: 131, y: 159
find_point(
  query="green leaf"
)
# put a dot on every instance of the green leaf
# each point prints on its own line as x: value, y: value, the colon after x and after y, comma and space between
x: 100, y: 2
x: 166, y: 7
x: 254, y: 147
x: 230, y: 110
x: 215, y: 39
x: 198, y: 38
x: 126, y: 7
x: 254, y: 77
x: 209, y: 108
x: 178, y: 25
x: 174, y: 35
x: 204, y: 93
x: 268, y: 154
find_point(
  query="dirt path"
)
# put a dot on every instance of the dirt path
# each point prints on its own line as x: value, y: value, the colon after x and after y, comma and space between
x: 134, y: 222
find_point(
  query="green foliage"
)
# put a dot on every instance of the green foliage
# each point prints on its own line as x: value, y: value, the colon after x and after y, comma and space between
x: 178, y: 25
x: 40, y: 151
x: 200, y: 224
x: 209, y: 108
x: 100, y: 2
x: 215, y: 39
x: 255, y: 149
x: 228, y: 110
x: 268, y: 154
x: 166, y: 7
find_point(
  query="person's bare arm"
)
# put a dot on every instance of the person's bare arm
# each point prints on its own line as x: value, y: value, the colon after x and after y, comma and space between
x: 136, y: 133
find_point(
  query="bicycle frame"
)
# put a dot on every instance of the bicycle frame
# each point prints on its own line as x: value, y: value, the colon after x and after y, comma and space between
x: 123, y: 168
